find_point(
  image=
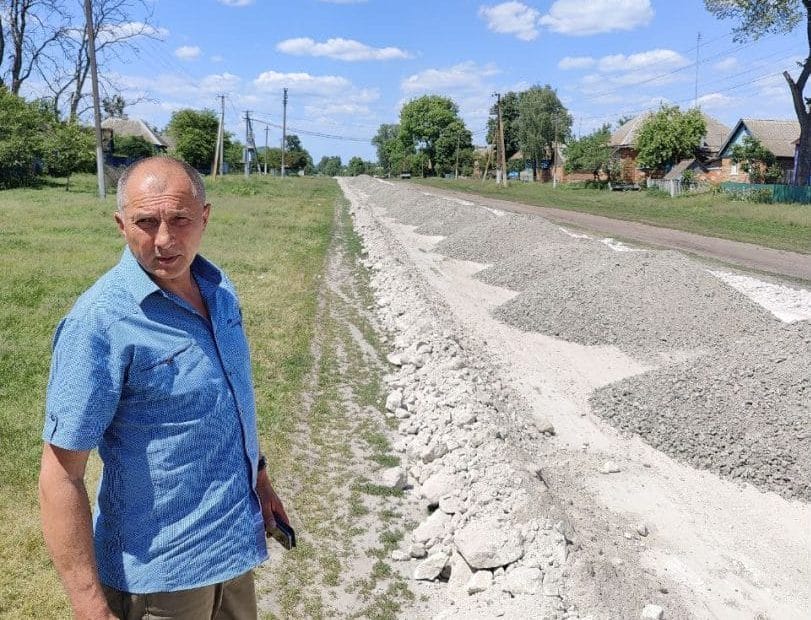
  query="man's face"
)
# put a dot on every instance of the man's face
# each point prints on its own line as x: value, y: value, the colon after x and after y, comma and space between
x: 163, y: 222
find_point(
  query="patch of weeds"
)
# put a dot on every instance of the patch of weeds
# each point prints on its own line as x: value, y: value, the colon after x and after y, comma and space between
x: 387, y: 515
x: 380, y: 570
x: 378, y: 490
x: 385, y: 460
x: 331, y: 568
x: 376, y: 440
x: 390, y: 539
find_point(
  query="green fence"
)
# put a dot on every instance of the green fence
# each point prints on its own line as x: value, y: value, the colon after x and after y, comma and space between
x: 780, y: 193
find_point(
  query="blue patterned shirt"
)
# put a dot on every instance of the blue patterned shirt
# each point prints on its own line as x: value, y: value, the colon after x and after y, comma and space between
x: 167, y: 398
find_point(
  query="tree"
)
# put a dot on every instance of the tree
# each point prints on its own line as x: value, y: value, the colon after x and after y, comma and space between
x: 757, y: 18
x: 430, y: 125
x: 355, y: 166
x: 114, y: 106
x: 234, y: 153
x: 385, y: 142
x: 32, y: 31
x: 667, y: 137
x: 132, y: 147
x: 296, y: 156
x: 330, y: 166
x: 592, y: 152
x: 23, y: 127
x: 757, y: 161
x: 195, y: 135
x: 68, y: 148
x: 509, y: 116
x: 542, y: 121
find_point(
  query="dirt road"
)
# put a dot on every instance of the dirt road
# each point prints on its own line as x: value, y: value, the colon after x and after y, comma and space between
x: 641, y: 529
x: 747, y: 255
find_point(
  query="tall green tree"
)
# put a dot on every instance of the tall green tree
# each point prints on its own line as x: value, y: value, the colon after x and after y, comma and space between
x: 430, y: 125
x: 330, y: 166
x: 68, y: 148
x: 195, y: 135
x: 133, y: 147
x: 757, y: 18
x: 756, y: 161
x: 355, y: 166
x: 591, y: 152
x: 385, y: 142
x: 510, y: 113
x: 542, y: 120
x: 668, y: 136
x: 296, y: 157
x: 23, y: 127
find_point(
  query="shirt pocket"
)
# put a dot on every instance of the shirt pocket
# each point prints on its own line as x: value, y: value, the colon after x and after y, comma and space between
x: 174, y: 385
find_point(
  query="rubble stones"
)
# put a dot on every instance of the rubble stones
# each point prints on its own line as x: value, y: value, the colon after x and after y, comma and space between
x: 432, y: 528
x: 523, y: 580
x: 488, y: 544
x: 431, y: 567
x: 394, y: 478
x: 394, y: 400
x: 652, y: 612
x: 479, y: 581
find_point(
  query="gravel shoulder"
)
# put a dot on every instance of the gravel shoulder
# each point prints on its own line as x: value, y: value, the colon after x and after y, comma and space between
x: 746, y: 255
x: 597, y: 421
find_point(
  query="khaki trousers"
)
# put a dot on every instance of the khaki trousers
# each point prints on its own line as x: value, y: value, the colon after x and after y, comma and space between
x: 234, y: 599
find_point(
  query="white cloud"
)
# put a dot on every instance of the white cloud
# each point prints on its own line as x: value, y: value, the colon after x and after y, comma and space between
x: 216, y: 58
x: 303, y: 83
x: 236, y: 2
x: 727, y: 64
x: 340, y: 49
x: 514, y: 18
x: 579, y: 18
x: 715, y: 101
x: 466, y: 76
x: 576, y: 62
x: 660, y: 60
x: 188, y: 52
x: 130, y: 30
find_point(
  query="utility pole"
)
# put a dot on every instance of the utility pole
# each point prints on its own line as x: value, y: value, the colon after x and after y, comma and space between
x: 94, y: 78
x: 215, y: 166
x: 221, y: 162
x: 555, y: 155
x: 698, y: 50
x: 502, y: 155
x: 456, y: 174
x: 247, y: 152
x: 284, y: 126
x: 267, y: 129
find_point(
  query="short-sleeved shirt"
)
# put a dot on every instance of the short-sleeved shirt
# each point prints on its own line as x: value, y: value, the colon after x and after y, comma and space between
x: 167, y: 397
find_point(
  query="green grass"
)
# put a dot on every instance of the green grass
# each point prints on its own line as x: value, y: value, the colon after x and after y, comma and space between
x: 780, y: 226
x: 270, y: 235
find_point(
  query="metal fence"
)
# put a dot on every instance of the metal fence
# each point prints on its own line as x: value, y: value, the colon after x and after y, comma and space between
x: 676, y: 187
x: 780, y: 193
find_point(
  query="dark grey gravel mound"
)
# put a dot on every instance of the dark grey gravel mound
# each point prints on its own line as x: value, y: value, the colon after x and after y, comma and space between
x: 642, y: 302
x: 546, y: 260
x: 743, y: 413
x: 500, y: 238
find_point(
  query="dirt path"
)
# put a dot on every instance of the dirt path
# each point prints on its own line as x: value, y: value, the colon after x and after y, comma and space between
x: 747, y: 255
x: 721, y: 549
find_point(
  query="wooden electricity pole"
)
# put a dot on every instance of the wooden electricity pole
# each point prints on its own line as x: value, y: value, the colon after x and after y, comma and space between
x: 284, y: 127
x: 501, y: 153
x: 94, y: 78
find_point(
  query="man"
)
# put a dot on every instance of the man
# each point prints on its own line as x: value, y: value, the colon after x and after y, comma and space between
x: 152, y: 367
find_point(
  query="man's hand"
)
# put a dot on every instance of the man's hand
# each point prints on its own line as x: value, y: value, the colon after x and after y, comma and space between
x: 269, y: 501
x: 67, y: 528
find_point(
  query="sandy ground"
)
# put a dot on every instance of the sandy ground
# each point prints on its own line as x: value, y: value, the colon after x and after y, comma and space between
x: 732, y: 551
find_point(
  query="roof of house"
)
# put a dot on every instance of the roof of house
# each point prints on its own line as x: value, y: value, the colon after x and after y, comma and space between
x: 133, y: 127
x: 779, y: 136
x: 677, y: 171
x: 625, y: 136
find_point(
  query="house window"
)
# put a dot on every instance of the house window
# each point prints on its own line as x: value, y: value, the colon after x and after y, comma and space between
x: 733, y: 169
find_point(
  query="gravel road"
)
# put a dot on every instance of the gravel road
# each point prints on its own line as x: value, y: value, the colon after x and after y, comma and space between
x: 675, y: 356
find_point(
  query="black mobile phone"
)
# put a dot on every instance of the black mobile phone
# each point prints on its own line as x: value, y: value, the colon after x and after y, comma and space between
x: 282, y: 533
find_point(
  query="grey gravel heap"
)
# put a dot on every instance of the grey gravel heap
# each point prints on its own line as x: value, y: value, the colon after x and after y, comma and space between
x: 501, y: 238
x: 743, y: 413
x: 643, y: 302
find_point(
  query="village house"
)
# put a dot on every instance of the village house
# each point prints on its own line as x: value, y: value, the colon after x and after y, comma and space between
x: 779, y: 136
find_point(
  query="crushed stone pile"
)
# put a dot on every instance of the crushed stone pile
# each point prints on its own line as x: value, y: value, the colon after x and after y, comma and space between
x: 493, y: 540
x: 743, y: 412
x: 546, y: 260
x: 642, y: 302
x: 502, y: 238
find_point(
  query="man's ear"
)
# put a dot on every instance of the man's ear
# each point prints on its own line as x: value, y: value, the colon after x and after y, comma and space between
x: 206, y: 213
x: 119, y: 220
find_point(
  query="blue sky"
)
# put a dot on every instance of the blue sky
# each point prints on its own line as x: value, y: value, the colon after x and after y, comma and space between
x: 349, y: 65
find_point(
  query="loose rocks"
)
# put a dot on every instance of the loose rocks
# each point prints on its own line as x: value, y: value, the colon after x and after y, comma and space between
x: 487, y: 544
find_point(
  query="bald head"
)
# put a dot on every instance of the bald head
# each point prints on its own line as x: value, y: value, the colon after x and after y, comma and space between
x: 154, y: 173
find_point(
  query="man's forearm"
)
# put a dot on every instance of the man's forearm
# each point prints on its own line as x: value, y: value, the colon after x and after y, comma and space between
x: 66, y: 525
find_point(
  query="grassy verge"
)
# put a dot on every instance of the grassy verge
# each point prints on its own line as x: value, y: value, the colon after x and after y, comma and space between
x: 348, y: 524
x: 780, y: 226
x: 271, y: 235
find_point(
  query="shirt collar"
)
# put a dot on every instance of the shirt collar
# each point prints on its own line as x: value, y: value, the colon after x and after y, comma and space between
x: 138, y: 282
